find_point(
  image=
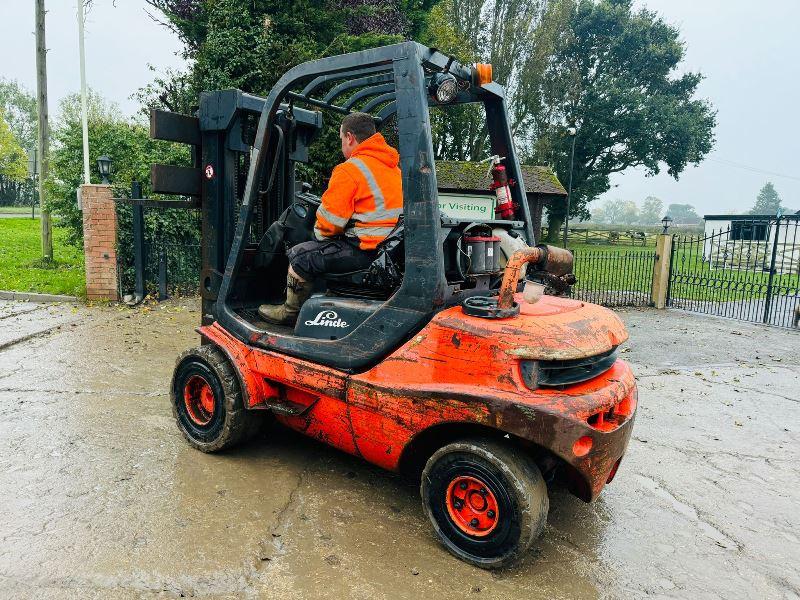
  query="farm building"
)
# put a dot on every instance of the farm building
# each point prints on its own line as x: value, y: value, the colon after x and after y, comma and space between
x: 746, y: 242
x: 466, y: 184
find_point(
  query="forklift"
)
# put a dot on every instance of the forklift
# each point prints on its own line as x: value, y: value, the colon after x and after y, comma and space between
x: 434, y: 362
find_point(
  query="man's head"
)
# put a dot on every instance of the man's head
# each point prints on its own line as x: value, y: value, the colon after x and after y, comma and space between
x: 356, y: 127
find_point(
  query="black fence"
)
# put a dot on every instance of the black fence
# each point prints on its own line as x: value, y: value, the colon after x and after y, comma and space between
x: 748, y: 269
x: 158, y: 250
x: 614, y: 278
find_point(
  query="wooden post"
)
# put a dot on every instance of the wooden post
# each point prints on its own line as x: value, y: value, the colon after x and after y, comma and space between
x: 44, y: 133
x: 658, y: 295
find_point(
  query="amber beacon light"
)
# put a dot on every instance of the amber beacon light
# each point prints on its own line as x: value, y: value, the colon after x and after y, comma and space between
x: 482, y: 73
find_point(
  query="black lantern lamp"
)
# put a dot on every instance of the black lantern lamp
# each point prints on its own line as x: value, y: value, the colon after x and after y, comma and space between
x: 104, y: 166
x: 666, y: 222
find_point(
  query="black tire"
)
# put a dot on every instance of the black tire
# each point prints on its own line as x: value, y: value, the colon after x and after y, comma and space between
x: 228, y: 423
x: 513, y: 485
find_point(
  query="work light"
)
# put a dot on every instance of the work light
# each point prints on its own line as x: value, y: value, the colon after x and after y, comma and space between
x: 444, y: 87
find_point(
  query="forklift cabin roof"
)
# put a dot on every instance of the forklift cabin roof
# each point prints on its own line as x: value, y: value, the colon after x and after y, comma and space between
x: 392, y: 80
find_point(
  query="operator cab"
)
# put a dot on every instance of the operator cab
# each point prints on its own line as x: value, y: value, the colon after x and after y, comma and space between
x: 256, y: 204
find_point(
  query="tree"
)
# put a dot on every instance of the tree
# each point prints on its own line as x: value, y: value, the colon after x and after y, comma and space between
x: 517, y: 38
x: 652, y: 211
x: 128, y: 143
x: 249, y: 45
x: 616, y: 212
x: 614, y: 76
x: 570, y: 62
x: 683, y: 214
x: 13, y: 161
x: 19, y: 108
x: 768, y: 201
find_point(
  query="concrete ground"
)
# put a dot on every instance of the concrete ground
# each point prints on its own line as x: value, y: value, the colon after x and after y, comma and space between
x: 102, y: 498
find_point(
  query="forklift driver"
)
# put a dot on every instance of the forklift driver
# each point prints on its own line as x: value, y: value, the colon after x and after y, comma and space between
x: 359, y: 209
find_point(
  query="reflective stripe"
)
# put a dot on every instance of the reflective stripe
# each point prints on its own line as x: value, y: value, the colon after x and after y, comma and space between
x: 361, y: 232
x: 380, y: 213
x: 331, y: 218
x: 318, y: 235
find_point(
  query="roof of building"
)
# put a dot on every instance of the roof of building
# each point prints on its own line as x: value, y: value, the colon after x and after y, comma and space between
x: 748, y: 217
x: 471, y: 177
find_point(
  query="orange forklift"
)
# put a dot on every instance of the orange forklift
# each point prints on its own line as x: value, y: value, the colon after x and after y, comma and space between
x: 435, y: 361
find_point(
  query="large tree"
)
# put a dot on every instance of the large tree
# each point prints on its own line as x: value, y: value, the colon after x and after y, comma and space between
x: 614, y: 76
x: 598, y: 65
x: 768, y: 201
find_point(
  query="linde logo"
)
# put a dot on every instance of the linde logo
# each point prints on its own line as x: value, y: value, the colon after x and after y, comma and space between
x: 327, y: 318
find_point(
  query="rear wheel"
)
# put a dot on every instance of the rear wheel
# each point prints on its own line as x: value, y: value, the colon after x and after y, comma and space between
x: 207, y: 401
x: 487, y: 503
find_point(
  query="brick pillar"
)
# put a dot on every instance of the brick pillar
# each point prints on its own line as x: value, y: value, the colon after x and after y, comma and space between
x: 100, y: 242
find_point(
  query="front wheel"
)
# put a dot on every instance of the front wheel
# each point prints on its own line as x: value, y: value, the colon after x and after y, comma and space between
x: 207, y: 402
x: 487, y: 503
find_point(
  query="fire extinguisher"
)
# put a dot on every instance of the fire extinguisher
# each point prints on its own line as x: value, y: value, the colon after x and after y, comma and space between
x: 501, y: 185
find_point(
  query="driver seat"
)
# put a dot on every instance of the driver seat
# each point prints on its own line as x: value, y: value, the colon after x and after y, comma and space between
x: 381, y: 278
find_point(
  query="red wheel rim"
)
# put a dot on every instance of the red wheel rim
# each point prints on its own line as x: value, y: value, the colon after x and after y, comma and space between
x: 472, y: 506
x: 199, y: 400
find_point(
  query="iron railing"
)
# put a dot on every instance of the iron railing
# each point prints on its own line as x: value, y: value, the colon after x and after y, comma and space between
x: 747, y: 269
x: 158, y: 249
x: 614, y: 278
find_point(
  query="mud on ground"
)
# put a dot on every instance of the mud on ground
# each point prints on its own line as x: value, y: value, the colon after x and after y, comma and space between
x: 102, y: 498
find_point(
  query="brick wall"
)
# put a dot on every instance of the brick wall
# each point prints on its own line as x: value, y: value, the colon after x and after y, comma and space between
x: 100, y: 242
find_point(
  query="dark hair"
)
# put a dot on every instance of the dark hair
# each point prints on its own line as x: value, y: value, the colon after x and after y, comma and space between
x: 361, y: 125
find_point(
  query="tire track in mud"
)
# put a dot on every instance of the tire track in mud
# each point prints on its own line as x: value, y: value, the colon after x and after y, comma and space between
x: 691, y: 512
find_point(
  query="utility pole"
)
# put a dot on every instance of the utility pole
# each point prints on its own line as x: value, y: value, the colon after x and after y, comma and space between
x: 84, y: 110
x: 44, y: 133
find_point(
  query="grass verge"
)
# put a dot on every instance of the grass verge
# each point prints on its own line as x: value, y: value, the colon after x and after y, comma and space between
x: 22, y: 268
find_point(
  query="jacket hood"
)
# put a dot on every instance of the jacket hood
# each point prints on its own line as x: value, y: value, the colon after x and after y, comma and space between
x: 375, y: 146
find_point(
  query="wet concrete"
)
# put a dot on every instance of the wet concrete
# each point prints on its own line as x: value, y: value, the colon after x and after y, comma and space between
x: 102, y: 498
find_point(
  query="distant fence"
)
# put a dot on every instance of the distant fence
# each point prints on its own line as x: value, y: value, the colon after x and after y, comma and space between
x: 644, y: 237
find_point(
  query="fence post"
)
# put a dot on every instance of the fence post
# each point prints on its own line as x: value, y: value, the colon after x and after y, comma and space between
x: 770, y: 281
x: 658, y: 293
x: 138, y: 241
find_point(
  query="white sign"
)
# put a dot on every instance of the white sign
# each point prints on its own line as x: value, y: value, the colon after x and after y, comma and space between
x: 466, y: 206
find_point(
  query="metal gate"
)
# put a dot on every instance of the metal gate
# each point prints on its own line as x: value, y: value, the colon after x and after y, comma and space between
x: 158, y: 253
x: 748, y: 269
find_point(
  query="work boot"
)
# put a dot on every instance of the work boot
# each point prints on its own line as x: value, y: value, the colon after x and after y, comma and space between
x: 297, y: 292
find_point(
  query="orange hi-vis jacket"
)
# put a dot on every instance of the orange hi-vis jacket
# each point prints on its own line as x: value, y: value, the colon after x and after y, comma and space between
x: 364, y: 198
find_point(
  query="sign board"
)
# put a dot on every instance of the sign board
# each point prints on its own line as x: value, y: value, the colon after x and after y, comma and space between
x: 468, y: 207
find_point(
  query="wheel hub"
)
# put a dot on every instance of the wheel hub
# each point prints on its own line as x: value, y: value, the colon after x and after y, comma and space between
x: 199, y: 400
x: 472, y: 506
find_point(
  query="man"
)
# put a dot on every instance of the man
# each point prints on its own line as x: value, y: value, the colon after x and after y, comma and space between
x: 359, y: 209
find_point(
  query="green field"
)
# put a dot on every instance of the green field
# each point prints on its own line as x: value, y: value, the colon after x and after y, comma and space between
x: 629, y: 268
x: 21, y: 266
x: 17, y: 210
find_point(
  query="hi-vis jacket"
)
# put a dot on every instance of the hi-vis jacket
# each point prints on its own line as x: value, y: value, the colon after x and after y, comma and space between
x: 364, y: 198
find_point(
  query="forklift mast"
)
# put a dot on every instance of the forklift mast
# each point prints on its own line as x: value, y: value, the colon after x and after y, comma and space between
x: 221, y: 135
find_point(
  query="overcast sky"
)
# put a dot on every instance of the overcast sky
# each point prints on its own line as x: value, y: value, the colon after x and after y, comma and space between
x: 749, y: 53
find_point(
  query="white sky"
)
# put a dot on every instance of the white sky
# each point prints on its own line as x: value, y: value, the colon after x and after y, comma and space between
x: 749, y: 52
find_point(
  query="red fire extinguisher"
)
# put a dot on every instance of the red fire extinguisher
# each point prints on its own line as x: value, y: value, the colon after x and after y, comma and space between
x: 501, y: 185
